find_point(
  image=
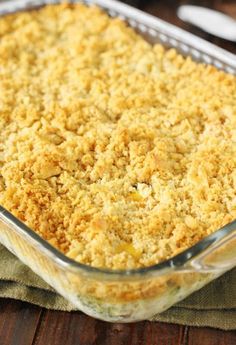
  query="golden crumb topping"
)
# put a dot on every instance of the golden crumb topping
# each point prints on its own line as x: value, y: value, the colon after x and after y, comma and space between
x: 119, y: 153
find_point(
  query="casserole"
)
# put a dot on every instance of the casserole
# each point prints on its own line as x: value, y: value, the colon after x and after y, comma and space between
x: 127, y: 295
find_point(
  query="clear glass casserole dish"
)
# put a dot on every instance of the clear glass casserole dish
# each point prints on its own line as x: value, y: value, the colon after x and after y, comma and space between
x: 128, y: 295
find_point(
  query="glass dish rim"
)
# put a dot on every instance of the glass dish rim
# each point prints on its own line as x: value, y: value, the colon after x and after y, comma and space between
x: 173, y: 263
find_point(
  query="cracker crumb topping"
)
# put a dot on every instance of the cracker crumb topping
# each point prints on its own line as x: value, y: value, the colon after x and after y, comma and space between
x: 119, y: 153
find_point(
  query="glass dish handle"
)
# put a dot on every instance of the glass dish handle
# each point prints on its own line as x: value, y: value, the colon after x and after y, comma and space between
x: 220, y: 255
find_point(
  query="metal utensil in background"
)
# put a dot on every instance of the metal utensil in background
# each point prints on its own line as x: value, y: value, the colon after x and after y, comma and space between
x: 213, y: 22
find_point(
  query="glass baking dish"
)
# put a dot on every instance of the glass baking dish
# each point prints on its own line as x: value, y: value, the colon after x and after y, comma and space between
x: 138, y: 294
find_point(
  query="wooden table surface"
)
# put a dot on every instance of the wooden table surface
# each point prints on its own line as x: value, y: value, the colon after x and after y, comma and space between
x: 25, y: 324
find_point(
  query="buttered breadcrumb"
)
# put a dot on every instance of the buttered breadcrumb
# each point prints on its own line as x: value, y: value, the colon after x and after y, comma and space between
x: 117, y: 152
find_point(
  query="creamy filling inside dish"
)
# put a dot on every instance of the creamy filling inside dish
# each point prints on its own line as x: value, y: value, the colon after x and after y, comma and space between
x: 119, y: 153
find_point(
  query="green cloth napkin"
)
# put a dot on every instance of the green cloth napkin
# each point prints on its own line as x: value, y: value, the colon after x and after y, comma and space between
x: 213, y: 306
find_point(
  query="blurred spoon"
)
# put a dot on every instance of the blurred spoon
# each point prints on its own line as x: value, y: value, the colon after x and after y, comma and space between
x: 211, y: 21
